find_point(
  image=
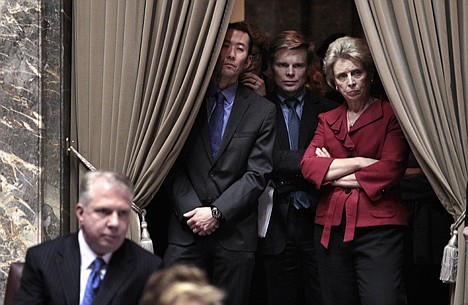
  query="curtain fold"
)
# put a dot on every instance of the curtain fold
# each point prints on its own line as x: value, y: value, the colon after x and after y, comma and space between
x: 140, y: 70
x: 420, y: 50
x: 173, y: 87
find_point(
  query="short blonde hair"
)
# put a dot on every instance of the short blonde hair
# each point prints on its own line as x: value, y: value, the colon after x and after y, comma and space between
x: 161, y: 281
x: 347, y: 47
x: 181, y: 292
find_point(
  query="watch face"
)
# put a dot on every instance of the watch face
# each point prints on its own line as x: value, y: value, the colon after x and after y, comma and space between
x: 216, y: 213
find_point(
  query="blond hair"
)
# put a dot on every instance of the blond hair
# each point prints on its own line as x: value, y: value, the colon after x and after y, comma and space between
x: 182, y: 292
x: 347, y: 47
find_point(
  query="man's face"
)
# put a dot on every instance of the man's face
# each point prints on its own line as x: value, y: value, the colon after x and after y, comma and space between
x: 234, y: 57
x: 290, y: 71
x: 105, y: 219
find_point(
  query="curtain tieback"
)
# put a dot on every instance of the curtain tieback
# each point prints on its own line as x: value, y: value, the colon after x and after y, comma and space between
x: 448, y: 270
x: 145, y: 240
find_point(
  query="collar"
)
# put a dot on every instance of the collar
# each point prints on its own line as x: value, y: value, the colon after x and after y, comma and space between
x: 88, y: 255
x: 229, y: 93
x: 300, y: 96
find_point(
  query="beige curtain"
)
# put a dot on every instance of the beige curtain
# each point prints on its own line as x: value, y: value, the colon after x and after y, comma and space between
x: 140, y: 72
x: 421, y: 51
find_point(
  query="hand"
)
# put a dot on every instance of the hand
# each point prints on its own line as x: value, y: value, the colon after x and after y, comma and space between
x: 201, y: 221
x: 322, y: 152
x: 465, y: 233
x: 254, y: 82
x: 348, y: 181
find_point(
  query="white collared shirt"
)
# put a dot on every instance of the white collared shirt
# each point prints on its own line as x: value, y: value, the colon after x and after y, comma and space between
x: 87, y: 258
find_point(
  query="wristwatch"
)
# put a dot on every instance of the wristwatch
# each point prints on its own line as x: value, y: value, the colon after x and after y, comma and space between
x: 216, y: 213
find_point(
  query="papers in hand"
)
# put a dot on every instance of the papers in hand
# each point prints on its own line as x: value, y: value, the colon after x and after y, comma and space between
x: 265, y: 205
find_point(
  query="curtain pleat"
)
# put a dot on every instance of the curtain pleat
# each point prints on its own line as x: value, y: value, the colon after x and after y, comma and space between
x: 420, y: 50
x: 174, y: 87
x: 140, y: 70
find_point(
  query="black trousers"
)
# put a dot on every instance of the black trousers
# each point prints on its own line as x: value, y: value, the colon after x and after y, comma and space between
x: 230, y: 270
x: 365, y: 271
x: 291, y: 277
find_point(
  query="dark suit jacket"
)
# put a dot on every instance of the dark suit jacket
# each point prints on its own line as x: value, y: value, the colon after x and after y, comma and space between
x: 233, y: 181
x: 51, y: 274
x: 287, y: 174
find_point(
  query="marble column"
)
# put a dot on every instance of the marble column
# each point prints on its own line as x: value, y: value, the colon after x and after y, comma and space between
x: 35, y: 39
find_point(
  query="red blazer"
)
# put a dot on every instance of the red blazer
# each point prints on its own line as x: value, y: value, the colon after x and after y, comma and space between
x: 376, y: 134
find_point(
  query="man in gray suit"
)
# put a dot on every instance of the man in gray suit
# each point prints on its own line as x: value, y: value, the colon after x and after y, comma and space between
x: 215, y: 184
x: 58, y: 271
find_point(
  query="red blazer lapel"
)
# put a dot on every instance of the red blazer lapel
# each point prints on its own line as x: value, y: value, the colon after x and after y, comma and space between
x: 371, y: 114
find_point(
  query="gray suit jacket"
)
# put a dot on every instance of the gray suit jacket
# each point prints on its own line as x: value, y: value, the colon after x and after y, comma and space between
x: 233, y: 181
x: 51, y: 274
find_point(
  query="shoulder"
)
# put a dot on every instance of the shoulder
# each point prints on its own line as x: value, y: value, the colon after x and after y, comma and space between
x: 44, y: 255
x: 320, y: 101
x: 382, y: 108
x: 333, y: 114
x: 143, y: 255
x: 272, y: 97
x: 259, y: 102
x: 56, y: 245
x: 386, y: 106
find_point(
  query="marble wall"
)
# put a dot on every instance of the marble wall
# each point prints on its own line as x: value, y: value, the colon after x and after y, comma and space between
x: 34, y: 90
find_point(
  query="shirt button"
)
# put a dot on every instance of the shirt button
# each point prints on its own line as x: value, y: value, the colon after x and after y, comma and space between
x: 347, y: 191
x: 212, y: 174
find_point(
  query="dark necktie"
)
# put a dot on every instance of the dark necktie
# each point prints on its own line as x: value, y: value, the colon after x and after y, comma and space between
x: 215, y: 124
x: 94, y: 280
x: 299, y: 198
x: 293, y: 123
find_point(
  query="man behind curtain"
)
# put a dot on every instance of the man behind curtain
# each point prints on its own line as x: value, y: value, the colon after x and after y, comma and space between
x: 57, y: 271
x: 215, y: 188
x: 287, y: 252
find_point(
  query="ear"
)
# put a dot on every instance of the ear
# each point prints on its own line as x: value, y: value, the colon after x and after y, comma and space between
x: 248, y: 62
x: 79, y: 212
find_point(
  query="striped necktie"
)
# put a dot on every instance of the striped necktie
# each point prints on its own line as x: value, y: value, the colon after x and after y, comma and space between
x: 94, y: 280
x: 215, y: 124
x: 293, y: 123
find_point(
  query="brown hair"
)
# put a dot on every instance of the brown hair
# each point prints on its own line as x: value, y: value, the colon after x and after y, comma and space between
x: 290, y: 40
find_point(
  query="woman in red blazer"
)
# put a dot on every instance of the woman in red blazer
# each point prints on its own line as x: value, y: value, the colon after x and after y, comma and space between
x: 357, y: 158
